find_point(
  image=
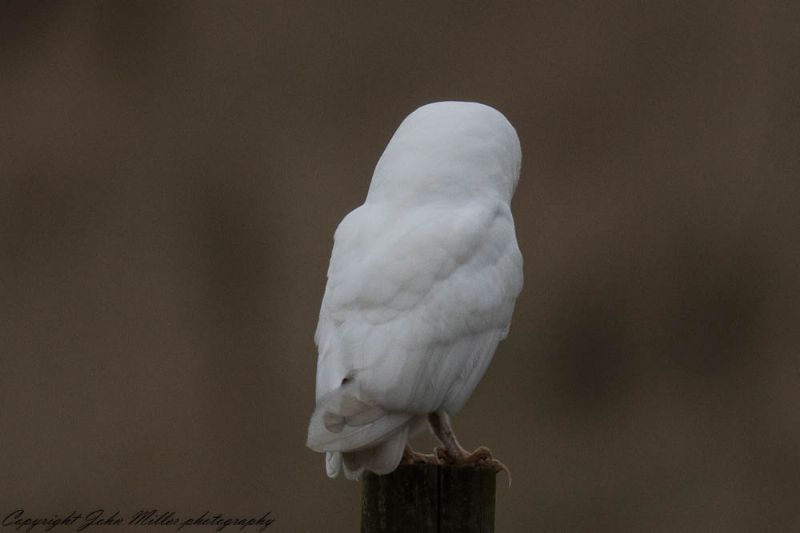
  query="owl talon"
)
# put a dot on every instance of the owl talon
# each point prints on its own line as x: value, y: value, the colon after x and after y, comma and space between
x: 480, y: 458
x: 410, y: 457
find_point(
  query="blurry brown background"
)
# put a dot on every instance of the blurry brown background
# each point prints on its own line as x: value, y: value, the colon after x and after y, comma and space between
x: 171, y: 174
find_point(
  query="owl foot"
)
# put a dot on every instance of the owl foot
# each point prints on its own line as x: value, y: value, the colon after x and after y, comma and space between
x: 410, y: 457
x: 452, y: 453
x: 480, y: 458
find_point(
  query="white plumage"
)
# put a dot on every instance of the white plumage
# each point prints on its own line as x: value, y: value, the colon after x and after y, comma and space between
x: 421, y: 285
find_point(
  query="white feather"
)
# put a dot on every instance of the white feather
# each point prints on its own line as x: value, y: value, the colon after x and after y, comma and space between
x: 421, y: 285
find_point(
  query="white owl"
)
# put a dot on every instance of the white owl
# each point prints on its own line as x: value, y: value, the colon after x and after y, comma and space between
x: 421, y: 288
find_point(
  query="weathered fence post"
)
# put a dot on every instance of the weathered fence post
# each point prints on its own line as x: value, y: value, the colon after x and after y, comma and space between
x: 425, y: 498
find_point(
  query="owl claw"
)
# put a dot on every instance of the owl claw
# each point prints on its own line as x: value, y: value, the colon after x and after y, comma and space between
x: 480, y: 458
x: 410, y: 457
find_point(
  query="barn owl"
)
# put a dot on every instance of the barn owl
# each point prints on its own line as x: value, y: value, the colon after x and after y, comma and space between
x: 421, y: 287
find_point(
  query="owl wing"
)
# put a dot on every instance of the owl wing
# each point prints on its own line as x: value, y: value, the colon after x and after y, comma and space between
x: 416, y: 301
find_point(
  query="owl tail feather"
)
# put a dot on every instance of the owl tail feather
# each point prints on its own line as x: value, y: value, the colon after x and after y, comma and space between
x: 348, y: 421
x: 381, y: 459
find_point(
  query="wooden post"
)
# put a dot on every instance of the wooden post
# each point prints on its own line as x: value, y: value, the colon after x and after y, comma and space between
x: 424, y: 498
